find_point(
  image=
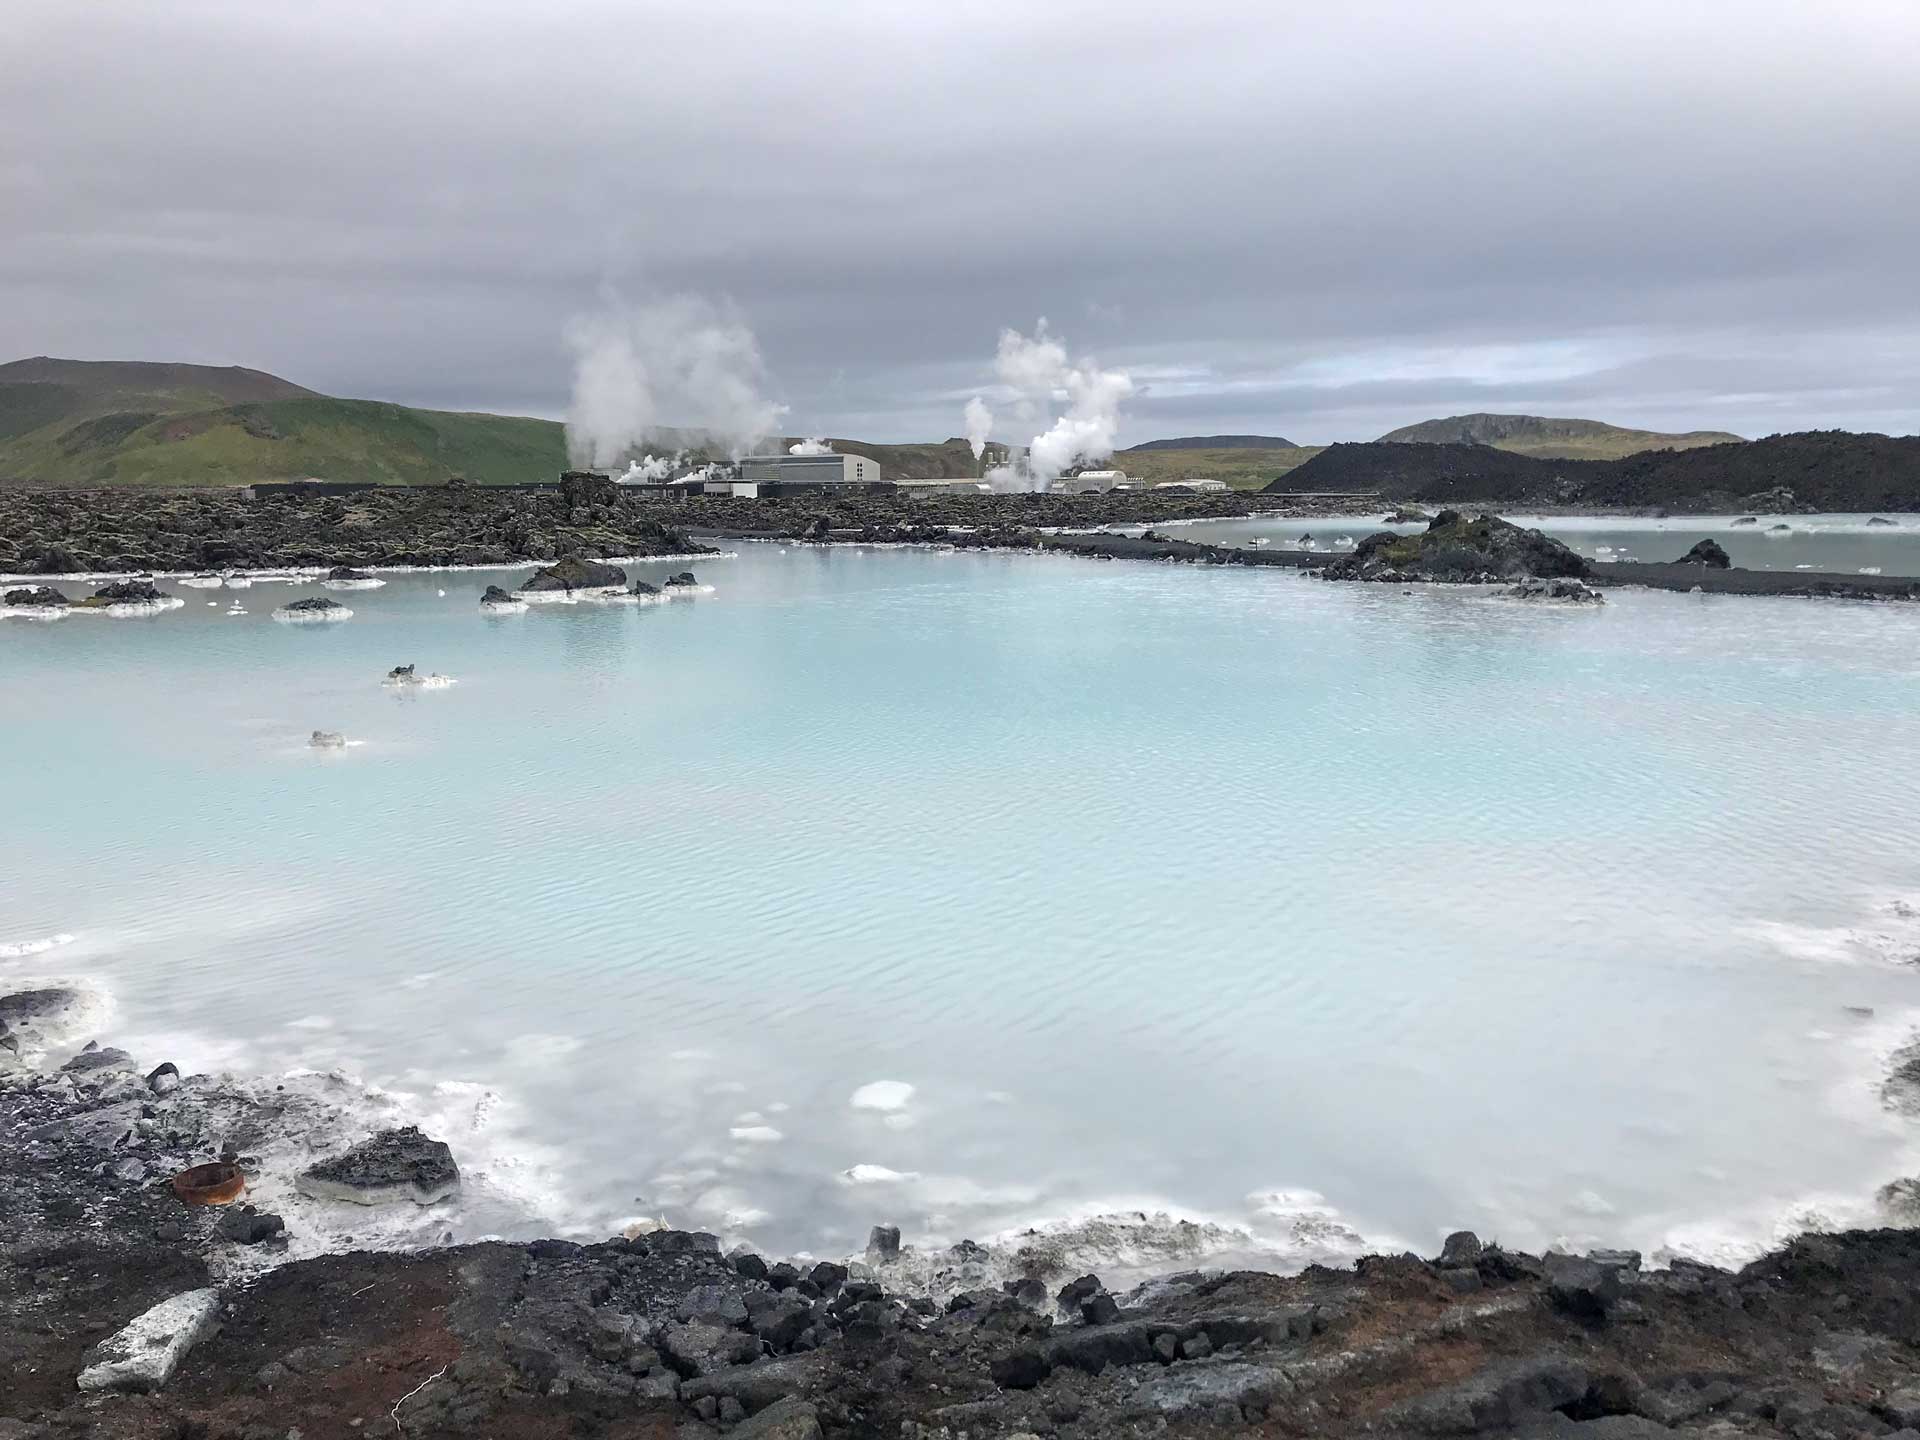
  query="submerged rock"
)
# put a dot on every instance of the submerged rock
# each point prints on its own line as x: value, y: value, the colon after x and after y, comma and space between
x: 1706, y: 552
x: 394, y: 1165
x: 494, y: 595
x: 142, y: 1357
x: 642, y: 588
x: 314, y: 608
x: 1880, y: 520
x: 347, y: 572
x: 328, y: 740
x: 1456, y: 550
x: 1748, y: 520
x: 685, y: 577
x: 1408, y: 515
x: 575, y: 573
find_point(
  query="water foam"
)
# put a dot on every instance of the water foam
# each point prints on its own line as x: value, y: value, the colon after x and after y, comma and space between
x: 20, y: 948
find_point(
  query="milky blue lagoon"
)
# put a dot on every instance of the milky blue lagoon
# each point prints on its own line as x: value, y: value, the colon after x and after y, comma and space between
x: 1338, y: 915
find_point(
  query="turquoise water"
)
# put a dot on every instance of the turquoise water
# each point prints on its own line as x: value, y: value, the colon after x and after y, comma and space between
x: 1162, y: 887
x: 1840, y: 544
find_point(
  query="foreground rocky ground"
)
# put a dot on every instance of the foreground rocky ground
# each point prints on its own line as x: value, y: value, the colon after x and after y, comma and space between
x: 661, y: 1335
x: 47, y: 532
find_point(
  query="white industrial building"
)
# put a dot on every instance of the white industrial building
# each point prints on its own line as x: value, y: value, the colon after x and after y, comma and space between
x: 1096, y: 480
x: 1205, y: 486
x: 810, y: 470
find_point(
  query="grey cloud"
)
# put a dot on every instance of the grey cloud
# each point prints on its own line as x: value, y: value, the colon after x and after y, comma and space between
x: 1716, y: 202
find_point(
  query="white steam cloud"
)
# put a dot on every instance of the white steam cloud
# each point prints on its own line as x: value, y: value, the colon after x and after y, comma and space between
x: 681, y: 363
x: 652, y: 469
x: 979, y: 425
x: 1079, y: 401
x: 810, y: 446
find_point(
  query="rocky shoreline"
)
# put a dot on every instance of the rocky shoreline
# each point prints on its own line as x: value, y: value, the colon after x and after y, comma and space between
x: 127, y: 1313
x: 116, y: 531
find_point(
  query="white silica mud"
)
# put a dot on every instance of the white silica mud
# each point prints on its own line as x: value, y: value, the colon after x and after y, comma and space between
x: 1172, y: 916
x: 286, y: 616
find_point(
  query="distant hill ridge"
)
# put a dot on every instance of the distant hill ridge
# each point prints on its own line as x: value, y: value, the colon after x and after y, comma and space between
x: 1831, y: 470
x: 1216, y: 442
x: 1551, y: 438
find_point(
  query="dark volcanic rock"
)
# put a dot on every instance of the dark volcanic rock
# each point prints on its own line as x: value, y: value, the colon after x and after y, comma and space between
x: 246, y: 1226
x: 577, y: 573
x: 314, y: 605
x: 580, y: 488
x: 685, y: 577
x: 394, y: 1165
x: 1456, y: 550
x: 36, y: 595
x: 641, y: 587
x: 1583, y: 1288
x: 1879, y: 520
x: 1706, y: 552
x: 347, y: 572
x: 494, y: 595
x: 128, y: 592
x: 1021, y: 1369
x: 96, y: 1058
x: 1571, y: 592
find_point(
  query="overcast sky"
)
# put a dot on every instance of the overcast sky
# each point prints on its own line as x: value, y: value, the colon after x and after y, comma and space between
x: 1319, y: 221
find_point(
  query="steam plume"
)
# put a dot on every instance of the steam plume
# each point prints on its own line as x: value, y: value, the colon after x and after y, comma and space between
x: 1037, y: 376
x: 979, y: 425
x: 810, y: 446
x: 681, y: 362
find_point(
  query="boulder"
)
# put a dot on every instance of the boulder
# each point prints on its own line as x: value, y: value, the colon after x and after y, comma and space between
x: 1572, y: 592
x: 1880, y: 520
x: 1456, y: 550
x: 142, y: 1357
x: 327, y: 740
x: 576, y: 573
x: 1021, y: 1369
x: 312, y: 605
x: 685, y: 577
x: 1505, y: 1394
x: 790, y: 1419
x: 1708, y: 553
x: 828, y: 1276
x: 37, y: 596
x: 1460, y: 1248
x: 641, y: 587
x: 494, y: 595
x: 777, y: 1317
x: 347, y: 572
x: 394, y: 1165
x: 696, y: 1348
x: 715, y: 1304
x: 883, y: 1244
x: 164, y: 1078
x: 1582, y: 1288
x: 247, y: 1226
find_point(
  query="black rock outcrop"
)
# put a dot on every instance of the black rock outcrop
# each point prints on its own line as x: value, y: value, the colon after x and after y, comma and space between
x: 37, y: 595
x: 1706, y: 552
x: 1456, y: 550
x: 576, y: 573
x: 401, y: 1164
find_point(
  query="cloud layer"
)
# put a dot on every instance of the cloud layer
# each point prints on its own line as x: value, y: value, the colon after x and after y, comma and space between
x: 1315, y: 221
